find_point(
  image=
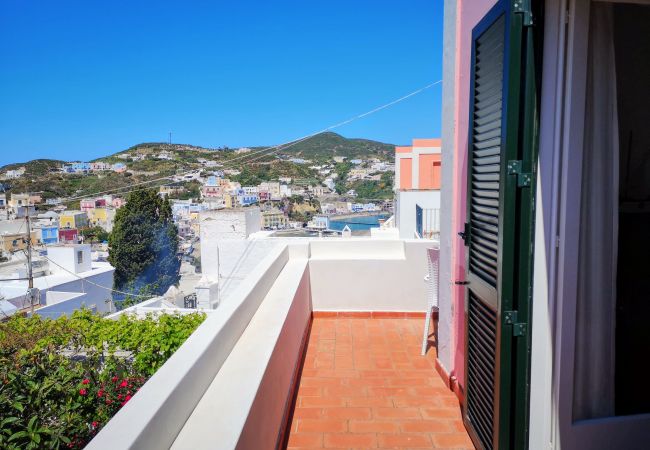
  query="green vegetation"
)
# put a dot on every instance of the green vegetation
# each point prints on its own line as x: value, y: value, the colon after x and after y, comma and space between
x: 327, y: 145
x: 374, y: 190
x: 143, y: 243
x: 94, y: 234
x: 62, y: 380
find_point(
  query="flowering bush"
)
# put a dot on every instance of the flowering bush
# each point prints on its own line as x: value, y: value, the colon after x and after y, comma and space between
x: 62, y: 380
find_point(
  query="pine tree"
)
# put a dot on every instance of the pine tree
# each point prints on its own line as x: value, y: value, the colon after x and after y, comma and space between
x: 143, y: 244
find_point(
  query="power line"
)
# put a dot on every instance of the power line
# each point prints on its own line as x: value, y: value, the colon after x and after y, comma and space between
x: 98, y: 285
x: 270, y: 150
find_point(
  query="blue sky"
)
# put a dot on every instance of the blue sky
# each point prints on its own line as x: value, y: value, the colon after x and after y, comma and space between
x: 82, y: 79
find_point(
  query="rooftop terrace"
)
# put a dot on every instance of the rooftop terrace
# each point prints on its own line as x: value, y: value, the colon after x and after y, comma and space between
x: 317, y: 347
x: 365, y: 385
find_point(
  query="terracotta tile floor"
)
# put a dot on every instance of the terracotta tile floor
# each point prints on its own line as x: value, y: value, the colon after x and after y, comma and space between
x: 365, y: 385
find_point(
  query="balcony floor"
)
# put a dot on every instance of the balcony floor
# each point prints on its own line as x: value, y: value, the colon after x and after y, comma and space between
x: 365, y: 385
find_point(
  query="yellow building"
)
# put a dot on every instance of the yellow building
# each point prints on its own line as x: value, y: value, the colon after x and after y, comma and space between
x: 274, y: 219
x: 73, y: 219
x: 101, y: 217
x: 230, y: 201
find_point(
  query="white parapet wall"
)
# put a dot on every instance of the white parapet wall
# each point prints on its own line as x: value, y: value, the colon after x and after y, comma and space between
x: 369, y: 275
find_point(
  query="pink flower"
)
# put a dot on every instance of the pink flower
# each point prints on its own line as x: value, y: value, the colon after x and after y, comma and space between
x: 114, y: 379
x: 85, y: 381
x: 123, y: 384
x: 119, y: 396
x: 83, y: 391
x: 94, y: 424
x: 100, y: 393
x: 127, y: 398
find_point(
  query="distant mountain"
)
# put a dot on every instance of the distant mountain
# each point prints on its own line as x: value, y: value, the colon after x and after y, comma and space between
x: 328, y: 145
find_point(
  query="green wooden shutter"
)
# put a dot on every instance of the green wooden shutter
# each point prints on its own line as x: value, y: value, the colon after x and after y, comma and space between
x: 498, y: 232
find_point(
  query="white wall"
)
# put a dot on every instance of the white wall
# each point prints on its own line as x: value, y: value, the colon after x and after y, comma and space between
x: 90, y: 295
x: 230, y: 223
x: 405, y: 209
x: 369, y: 275
x: 64, y: 257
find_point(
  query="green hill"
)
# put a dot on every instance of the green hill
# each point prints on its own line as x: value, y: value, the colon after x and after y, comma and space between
x: 327, y: 145
x: 144, y: 163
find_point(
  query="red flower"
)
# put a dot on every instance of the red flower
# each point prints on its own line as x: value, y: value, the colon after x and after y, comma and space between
x: 127, y: 398
x: 123, y: 383
x: 100, y: 393
x: 83, y: 391
x: 85, y: 381
x: 119, y: 396
x: 114, y: 379
x: 94, y: 424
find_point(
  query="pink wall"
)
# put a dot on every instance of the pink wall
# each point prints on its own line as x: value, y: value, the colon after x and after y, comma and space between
x: 270, y: 411
x: 469, y: 12
x: 406, y: 173
x: 429, y: 171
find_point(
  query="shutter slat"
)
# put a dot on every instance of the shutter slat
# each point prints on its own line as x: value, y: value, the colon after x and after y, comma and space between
x: 484, y: 220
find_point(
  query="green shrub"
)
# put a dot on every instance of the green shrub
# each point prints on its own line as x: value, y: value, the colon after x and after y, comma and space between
x: 62, y: 380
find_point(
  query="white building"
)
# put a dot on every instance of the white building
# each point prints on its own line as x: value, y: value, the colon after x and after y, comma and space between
x: 69, y: 280
x: 417, y: 188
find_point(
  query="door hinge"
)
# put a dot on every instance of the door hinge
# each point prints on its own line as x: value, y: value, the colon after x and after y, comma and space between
x: 523, y: 178
x: 518, y: 328
x: 524, y: 7
x: 465, y: 234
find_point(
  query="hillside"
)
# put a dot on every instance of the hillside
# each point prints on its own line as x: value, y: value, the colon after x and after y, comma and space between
x: 327, y: 145
x: 153, y: 160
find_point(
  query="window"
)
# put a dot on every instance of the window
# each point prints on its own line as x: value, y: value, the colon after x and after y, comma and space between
x: 80, y: 257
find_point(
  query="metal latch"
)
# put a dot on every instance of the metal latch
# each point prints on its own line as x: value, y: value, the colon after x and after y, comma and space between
x: 461, y: 282
x: 465, y: 234
x: 523, y: 7
x: 518, y: 328
x: 523, y: 178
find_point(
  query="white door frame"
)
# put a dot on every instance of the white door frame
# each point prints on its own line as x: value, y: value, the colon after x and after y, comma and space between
x: 556, y: 245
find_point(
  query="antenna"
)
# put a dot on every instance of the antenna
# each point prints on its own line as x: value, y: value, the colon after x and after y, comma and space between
x: 29, y: 257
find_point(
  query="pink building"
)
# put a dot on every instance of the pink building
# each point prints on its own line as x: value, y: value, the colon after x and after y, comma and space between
x: 417, y: 188
x: 544, y: 130
x: 86, y: 204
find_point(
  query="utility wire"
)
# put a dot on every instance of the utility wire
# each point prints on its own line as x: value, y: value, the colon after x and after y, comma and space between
x: 270, y: 150
x: 99, y: 285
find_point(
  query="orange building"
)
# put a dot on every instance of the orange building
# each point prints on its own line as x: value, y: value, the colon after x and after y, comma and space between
x: 417, y: 186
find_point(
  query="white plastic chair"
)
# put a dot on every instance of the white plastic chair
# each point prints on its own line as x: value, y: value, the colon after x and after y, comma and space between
x: 431, y: 279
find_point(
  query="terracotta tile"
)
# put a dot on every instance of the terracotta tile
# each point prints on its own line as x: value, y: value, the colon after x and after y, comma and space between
x: 369, y: 402
x: 404, y: 441
x: 345, y: 391
x: 322, y: 426
x: 373, y: 426
x: 302, y: 440
x: 350, y: 440
x: 310, y: 391
x: 321, y: 402
x: 307, y: 413
x: 440, y: 413
x: 347, y: 413
x: 426, y: 426
x: 452, y: 440
x: 396, y: 413
x: 364, y: 384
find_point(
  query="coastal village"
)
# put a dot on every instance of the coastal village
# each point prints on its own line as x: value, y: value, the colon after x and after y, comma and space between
x: 282, y: 208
